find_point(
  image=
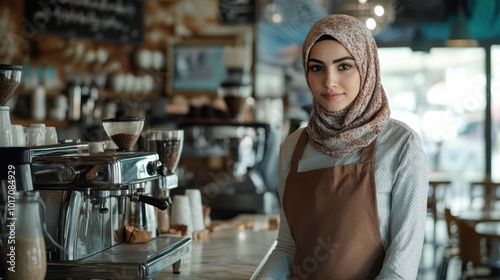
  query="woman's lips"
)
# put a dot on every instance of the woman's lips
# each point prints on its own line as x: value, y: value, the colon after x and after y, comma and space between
x: 331, y: 96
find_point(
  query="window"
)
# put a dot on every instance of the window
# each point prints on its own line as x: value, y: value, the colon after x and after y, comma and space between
x: 495, y: 112
x: 441, y: 95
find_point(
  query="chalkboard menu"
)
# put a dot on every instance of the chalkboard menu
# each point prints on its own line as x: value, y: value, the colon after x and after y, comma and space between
x: 120, y: 21
x: 237, y: 11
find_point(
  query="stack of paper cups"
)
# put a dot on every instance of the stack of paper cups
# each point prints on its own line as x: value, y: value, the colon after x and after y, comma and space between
x: 194, y: 196
x: 181, y: 213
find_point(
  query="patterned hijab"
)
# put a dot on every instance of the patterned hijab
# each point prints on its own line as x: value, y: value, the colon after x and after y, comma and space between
x: 347, y: 131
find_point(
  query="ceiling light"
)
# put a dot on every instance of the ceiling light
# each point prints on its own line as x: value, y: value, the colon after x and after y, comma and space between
x: 272, y: 12
x: 277, y: 18
x: 371, y: 23
x: 377, y: 15
x: 379, y: 10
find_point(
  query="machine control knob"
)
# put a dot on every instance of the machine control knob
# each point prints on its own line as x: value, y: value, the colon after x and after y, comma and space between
x: 162, y: 169
x: 157, y: 167
x: 68, y: 174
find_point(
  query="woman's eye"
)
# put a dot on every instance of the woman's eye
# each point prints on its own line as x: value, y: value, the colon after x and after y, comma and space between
x: 315, y: 68
x: 344, y: 67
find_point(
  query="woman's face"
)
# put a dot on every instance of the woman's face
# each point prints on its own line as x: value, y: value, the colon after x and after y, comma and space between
x: 333, y: 75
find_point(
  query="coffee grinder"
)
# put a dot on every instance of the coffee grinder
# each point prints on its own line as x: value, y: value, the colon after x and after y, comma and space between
x: 168, y: 144
x: 236, y: 88
x: 10, y: 78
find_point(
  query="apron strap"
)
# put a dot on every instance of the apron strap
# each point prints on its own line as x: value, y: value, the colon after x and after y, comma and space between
x: 368, y: 155
x: 297, y: 153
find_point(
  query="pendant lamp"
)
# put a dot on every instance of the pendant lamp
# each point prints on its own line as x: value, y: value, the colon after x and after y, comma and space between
x: 460, y: 34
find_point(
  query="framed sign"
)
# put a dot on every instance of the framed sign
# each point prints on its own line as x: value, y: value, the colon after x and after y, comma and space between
x: 195, y: 65
x: 237, y: 11
x: 100, y: 20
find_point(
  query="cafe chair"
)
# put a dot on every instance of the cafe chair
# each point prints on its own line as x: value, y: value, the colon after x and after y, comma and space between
x: 436, y: 197
x: 486, y: 191
x: 471, y: 252
x: 451, y: 249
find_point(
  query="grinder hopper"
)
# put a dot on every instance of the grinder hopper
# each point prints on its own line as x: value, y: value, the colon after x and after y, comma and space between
x: 123, y: 131
x: 10, y: 78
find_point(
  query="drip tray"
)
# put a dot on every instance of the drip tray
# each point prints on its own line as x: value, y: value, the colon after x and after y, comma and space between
x: 125, y: 261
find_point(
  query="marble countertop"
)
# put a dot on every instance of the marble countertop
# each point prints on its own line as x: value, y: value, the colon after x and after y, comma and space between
x: 230, y: 253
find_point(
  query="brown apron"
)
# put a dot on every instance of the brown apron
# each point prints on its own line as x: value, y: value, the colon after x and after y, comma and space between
x: 333, y: 218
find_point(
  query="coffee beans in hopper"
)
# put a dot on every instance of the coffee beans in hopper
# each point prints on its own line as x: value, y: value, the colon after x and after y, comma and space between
x: 7, y: 88
x: 124, y: 140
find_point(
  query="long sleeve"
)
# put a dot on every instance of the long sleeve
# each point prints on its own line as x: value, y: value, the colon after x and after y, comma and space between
x: 408, y: 213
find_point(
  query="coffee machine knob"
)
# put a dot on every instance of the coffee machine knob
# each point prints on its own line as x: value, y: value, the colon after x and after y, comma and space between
x: 157, y: 167
x: 68, y: 174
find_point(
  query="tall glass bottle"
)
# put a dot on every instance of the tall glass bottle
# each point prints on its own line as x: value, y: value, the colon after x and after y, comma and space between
x: 27, y: 244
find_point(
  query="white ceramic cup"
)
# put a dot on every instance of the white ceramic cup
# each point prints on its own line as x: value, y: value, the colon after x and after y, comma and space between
x: 36, y: 136
x: 50, y: 135
x: 18, y: 136
x: 39, y: 125
x: 119, y: 81
x: 6, y: 138
x: 97, y: 147
x: 5, y: 127
x: 144, y: 59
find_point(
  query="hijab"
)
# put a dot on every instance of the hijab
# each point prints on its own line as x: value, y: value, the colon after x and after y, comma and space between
x: 347, y: 131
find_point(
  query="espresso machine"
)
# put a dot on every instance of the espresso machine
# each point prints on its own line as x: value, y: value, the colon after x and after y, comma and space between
x: 239, y: 184
x: 96, y: 204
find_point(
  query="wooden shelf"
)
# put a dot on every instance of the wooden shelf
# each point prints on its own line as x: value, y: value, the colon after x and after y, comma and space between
x: 104, y: 94
x: 27, y: 122
x: 137, y: 96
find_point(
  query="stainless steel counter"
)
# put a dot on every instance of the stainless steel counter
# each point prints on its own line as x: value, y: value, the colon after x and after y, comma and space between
x: 230, y: 253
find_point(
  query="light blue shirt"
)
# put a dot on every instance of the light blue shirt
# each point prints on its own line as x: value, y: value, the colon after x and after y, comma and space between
x: 401, y: 177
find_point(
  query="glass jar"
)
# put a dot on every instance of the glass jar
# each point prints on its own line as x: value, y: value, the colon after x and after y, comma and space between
x: 26, y: 258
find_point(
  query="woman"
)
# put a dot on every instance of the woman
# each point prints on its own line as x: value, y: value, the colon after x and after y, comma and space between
x: 353, y: 183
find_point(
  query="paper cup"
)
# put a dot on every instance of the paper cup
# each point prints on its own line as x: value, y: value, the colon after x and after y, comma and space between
x: 195, y: 202
x: 181, y: 213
